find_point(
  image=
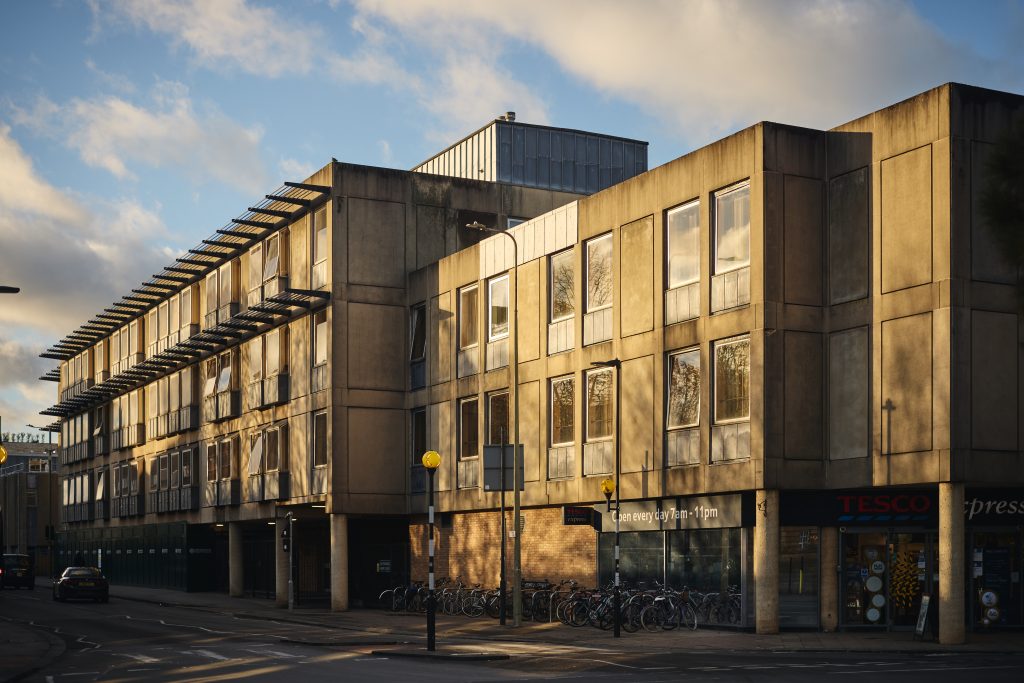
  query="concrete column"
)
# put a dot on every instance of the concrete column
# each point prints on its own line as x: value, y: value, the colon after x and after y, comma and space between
x: 766, y: 562
x: 281, y: 565
x: 829, y: 578
x: 236, y: 584
x: 339, y: 562
x: 952, y: 630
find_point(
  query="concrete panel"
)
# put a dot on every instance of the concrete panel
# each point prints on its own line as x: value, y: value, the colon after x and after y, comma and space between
x: 849, y: 236
x: 528, y: 291
x: 848, y: 382
x: 636, y: 277
x: 376, y: 230
x: 907, y: 382
x: 803, y: 405
x: 995, y: 412
x: 377, y: 453
x: 906, y: 220
x: 637, y: 413
x: 430, y: 235
x: 371, y: 364
x: 441, y: 320
x: 530, y: 433
x: 803, y: 218
x: 987, y: 261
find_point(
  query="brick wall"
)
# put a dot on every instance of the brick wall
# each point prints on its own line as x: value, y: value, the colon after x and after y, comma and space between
x: 471, y: 549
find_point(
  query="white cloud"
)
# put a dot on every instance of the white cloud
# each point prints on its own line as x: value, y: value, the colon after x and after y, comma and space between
x: 293, y: 169
x: 116, y: 134
x: 226, y: 33
x: 703, y: 67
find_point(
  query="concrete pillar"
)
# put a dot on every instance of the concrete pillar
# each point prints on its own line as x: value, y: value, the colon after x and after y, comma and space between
x: 281, y: 565
x: 236, y: 585
x: 829, y: 578
x: 952, y: 630
x: 339, y: 562
x: 766, y: 562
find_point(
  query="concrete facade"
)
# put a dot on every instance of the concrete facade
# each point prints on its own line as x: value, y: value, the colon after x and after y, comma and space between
x: 821, y: 368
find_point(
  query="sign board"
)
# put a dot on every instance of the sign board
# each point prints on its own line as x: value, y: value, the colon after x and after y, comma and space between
x: 383, y: 566
x: 859, y: 507
x: 575, y: 515
x: 492, y: 468
x: 694, y: 512
x: 922, y: 615
x: 994, y: 506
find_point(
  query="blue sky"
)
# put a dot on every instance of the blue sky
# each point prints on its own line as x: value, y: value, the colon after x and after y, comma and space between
x: 131, y: 129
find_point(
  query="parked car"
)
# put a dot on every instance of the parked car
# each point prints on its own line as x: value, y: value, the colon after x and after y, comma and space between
x: 87, y: 583
x: 17, y: 571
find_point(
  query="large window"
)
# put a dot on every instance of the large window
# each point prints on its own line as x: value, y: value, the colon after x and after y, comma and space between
x: 226, y: 451
x: 732, y: 229
x: 224, y: 372
x: 272, y: 258
x: 468, y: 327
x: 684, y: 389
x: 255, y: 270
x: 732, y: 380
x: 599, y: 273
x: 599, y: 404
x: 497, y: 308
x: 469, y: 439
x: 498, y: 422
x: 563, y: 411
x: 320, y: 338
x: 683, y: 249
x: 320, y: 440
x: 319, y: 248
x: 562, y: 285
x: 272, y: 450
x: 211, y: 462
x: 255, y: 360
x: 272, y: 356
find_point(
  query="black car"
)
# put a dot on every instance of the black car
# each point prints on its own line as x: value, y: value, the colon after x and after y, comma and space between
x: 17, y: 571
x: 87, y: 583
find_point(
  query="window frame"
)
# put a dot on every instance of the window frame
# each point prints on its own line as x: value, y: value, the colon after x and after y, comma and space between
x: 491, y: 283
x: 489, y: 436
x: 473, y: 289
x: 418, y: 331
x: 717, y: 197
x: 318, y: 344
x: 669, y: 367
x: 552, y: 430
x: 588, y: 437
x: 463, y: 402
x: 320, y: 462
x: 669, y: 213
x: 611, y: 271
x: 730, y: 341
x: 566, y: 255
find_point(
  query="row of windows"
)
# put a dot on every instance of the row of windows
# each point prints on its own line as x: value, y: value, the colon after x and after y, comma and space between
x: 730, y: 402
x: 177, y: 318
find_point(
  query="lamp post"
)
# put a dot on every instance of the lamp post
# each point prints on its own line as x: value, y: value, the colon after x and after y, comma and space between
x: 517, y: 557
x: 431, y: 460
x: 608, y: 486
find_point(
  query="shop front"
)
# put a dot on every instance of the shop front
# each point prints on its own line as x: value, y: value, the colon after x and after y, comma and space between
x: 703, y: 543
x: 994, y: 519
x: 887, y: 550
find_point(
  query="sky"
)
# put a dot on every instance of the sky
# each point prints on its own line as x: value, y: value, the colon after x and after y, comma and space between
x: 132, y: 129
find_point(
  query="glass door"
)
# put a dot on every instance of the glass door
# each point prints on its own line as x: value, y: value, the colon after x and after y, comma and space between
x: 908, y: 576
x: 884, y: 575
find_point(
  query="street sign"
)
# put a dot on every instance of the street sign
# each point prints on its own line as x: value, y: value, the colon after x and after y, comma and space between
x: 492, y: 468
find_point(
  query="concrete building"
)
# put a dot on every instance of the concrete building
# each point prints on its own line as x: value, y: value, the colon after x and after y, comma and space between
x: 28, y: 502
x: 820, y: 362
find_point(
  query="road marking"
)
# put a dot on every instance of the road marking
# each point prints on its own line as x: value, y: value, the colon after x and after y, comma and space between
x: 625, y: 666
x: 139, y: 658
x: 944, y: 668
x: 211, y: 655
x: 276, y: 653
x: 164, y: 623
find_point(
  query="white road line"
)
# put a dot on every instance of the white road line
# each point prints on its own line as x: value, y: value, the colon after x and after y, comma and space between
x: 943, y: 668
x: 276, y: 653
x: 211, y: 655
x: 139, y: 658
x: 164, y: 623
x: 626, y: 666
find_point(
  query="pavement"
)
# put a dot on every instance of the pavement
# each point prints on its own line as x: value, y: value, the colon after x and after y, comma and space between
x: 25, y: 648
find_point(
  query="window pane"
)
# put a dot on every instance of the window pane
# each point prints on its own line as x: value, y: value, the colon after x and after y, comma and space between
x: 684, y: 389
x: 256, y: 359
x: 212, y: 289
x: 273, y: 353
x: 469, y: 445
x: 186, y: 307
x: 563, y: 410
x: 224, y: 372
x: 186, y: 386
x: 319, y: 439
x: 599, y: 404
x: 320, y: 340
x: 320, y: 228
x: 133, y: 338
x: 467, y: 318
x: 161, y: 322
x: 273, y: 256
x: 498, y: 307
x: 732, y: 229
x: 562, y: 285
x: 419, y: 332
x: 211, y: 462
x: 226, y: 289
x: 162, y: 396
x: 172, y: 315
x: 270, y: 450
x: 684, y: 245
x: 164, y: 474
x: 186, y: 468
x: 175, y: 470
x: 498, y: 430
x: 732, y: 380
x: 419, y: 435
x: 599, y: 273
x: 255, y: 266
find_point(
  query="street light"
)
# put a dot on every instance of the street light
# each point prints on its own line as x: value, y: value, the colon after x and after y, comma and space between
x: 608, y: 487
x: 6, y: 289
x: 517, y: 557
x: 431, y: 460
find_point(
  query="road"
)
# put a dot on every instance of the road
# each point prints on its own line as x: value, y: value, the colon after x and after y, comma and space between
x: 133, y: 641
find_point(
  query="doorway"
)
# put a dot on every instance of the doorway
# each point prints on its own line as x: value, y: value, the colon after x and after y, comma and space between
x: 884, y: 575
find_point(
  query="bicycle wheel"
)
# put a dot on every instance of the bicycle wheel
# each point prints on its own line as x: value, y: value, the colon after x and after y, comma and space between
x: 631, y: 617
x: 687, y: 617
x: 652, y: 617
x: 578, y: 613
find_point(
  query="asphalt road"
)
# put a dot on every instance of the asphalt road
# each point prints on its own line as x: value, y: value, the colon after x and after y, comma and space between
x: 133, y: 641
